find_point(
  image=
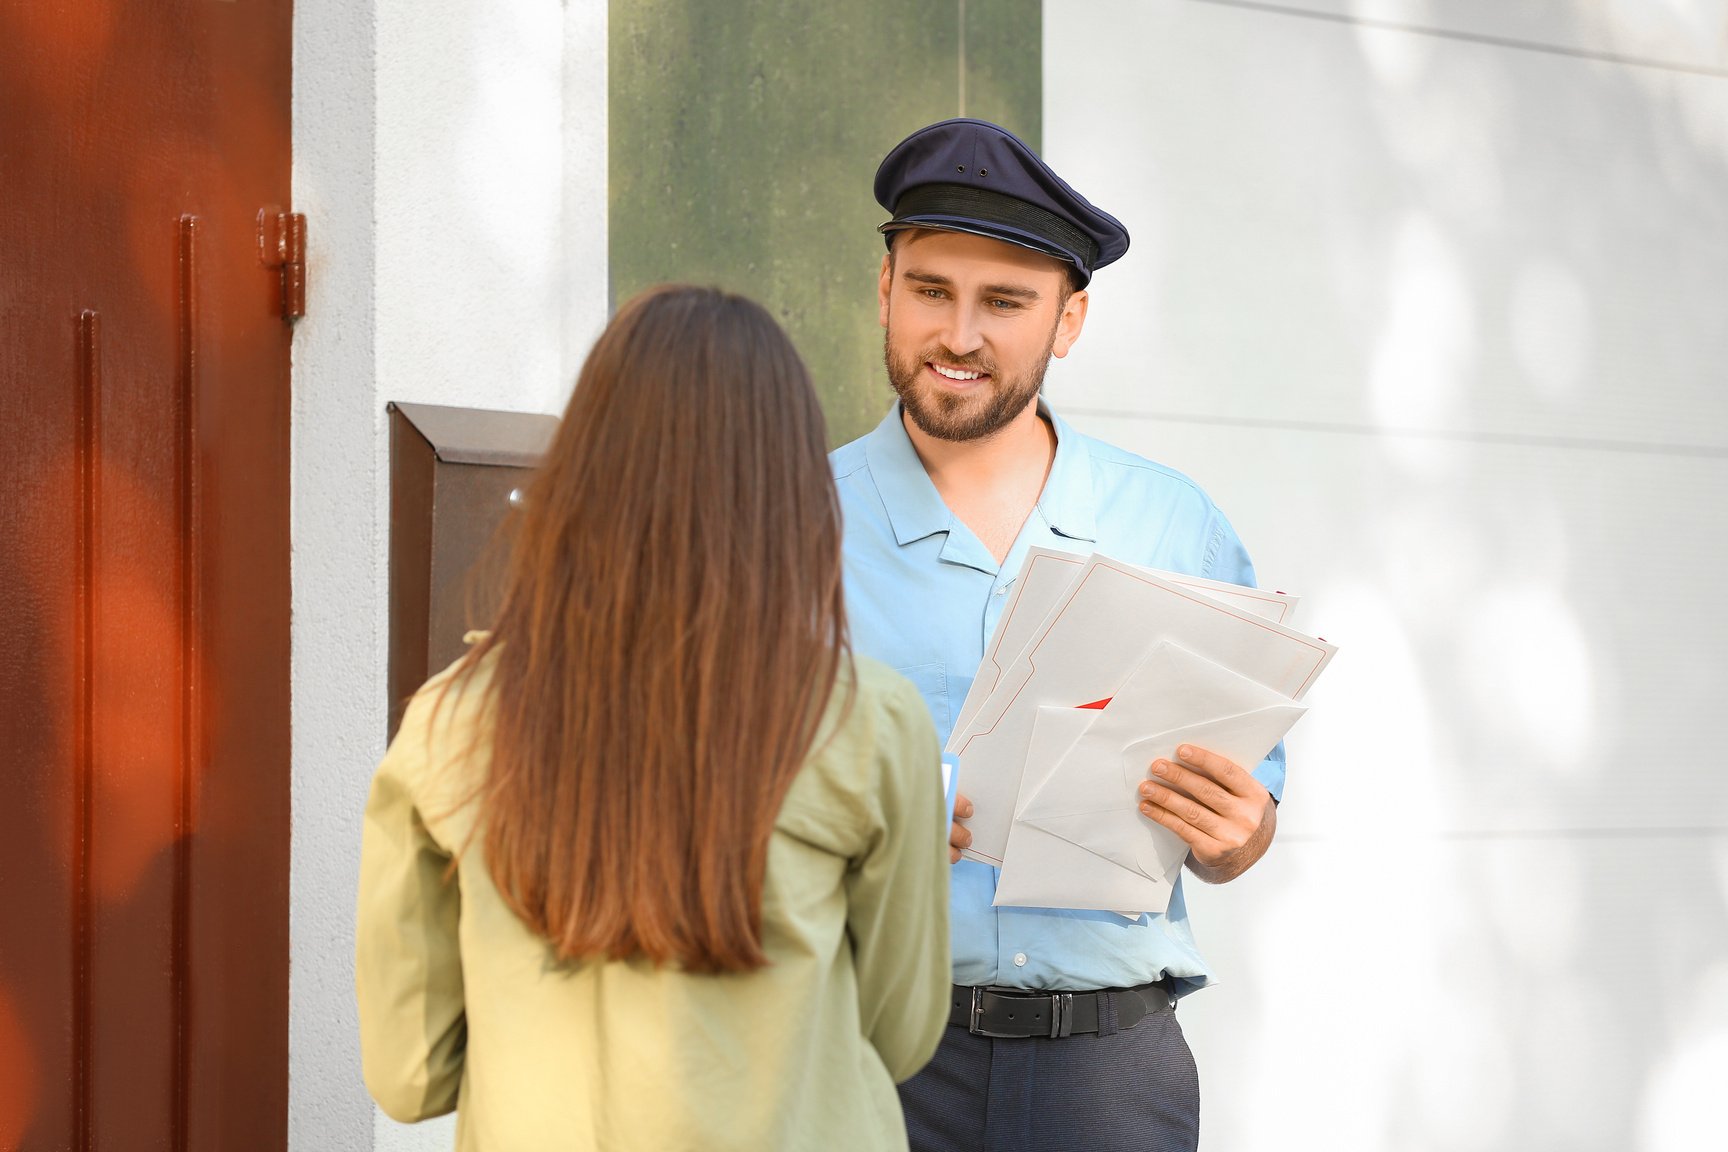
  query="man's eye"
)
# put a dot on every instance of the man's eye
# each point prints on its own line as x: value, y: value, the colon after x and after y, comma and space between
x: 1004, y: 305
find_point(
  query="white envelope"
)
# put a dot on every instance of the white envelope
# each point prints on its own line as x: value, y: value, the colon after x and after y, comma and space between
x: 1090, y: 796
x: 1041, y: 870
x: 1044, y: 577
x: 1108, y: 620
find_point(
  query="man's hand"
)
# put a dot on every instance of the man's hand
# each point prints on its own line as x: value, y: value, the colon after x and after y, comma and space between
x: 958, y: 837
x: 1222, y: 813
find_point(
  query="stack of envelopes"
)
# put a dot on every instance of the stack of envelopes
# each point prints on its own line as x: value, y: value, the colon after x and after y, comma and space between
x: 1096, y: 669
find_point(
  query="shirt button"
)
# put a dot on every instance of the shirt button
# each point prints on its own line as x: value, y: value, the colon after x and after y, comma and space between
x: 1002, y: 591
x: 1019, y: 959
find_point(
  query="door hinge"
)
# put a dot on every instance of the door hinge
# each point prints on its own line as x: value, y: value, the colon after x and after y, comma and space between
x: 282, y: 245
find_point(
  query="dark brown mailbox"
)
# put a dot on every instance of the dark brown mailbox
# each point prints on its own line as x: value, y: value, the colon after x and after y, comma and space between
x: 453, y: 472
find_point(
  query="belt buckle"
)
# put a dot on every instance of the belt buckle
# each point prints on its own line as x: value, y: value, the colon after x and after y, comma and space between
x: 975, y: 1024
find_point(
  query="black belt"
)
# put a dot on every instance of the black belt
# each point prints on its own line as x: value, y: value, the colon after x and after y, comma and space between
x: 1015, y: 1013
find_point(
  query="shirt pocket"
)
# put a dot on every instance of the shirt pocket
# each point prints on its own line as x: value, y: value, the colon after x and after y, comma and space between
x: 931, y: 680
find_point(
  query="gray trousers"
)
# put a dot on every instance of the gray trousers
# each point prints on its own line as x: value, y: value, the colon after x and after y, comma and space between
x: 1134, y: 1089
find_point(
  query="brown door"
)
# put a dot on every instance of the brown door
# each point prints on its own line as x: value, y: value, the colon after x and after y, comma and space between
x: 144, y: 771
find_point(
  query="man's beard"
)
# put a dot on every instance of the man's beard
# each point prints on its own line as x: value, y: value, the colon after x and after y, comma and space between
x: 951, y: 416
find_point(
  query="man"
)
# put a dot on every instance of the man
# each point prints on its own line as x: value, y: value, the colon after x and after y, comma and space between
x: 985, y: 278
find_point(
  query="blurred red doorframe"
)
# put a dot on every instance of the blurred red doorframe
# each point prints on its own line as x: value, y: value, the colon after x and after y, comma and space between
x: 144, y: 410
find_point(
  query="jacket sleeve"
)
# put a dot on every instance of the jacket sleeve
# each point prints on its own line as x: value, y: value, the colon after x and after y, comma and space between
x: 897, y: 894
x: 408, y: 967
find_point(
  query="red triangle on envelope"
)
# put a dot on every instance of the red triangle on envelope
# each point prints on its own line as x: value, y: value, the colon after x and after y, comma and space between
x: 1098, y: 703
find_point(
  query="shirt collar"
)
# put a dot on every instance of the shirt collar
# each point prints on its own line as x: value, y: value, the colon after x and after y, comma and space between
x: 1066, y: 502
x: 915, y: 508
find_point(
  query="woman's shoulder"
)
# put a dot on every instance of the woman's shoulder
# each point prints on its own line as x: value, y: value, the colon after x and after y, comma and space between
x: 882, y: 700
x: 453, y: 699
x: 875, y: 741
x: 441, y: 728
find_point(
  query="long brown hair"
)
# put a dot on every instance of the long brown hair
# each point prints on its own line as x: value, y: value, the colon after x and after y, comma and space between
x: 671, y: 629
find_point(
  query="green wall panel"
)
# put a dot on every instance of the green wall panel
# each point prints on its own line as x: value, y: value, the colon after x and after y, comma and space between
x: 744, y: 136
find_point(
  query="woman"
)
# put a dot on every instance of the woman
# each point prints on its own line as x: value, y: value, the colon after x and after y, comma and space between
x: 658, y: 864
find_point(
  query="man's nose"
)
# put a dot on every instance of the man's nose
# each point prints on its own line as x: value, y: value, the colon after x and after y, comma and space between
x: 963, y: 336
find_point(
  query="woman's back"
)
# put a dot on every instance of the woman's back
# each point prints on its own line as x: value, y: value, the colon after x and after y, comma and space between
x: 802, y: 1053
x: 655, y: 865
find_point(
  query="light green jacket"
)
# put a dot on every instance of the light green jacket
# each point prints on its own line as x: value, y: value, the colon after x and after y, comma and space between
x: 462, y: 1007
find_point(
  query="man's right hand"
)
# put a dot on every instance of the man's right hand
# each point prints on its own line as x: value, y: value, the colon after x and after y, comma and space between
x: 958, y: 837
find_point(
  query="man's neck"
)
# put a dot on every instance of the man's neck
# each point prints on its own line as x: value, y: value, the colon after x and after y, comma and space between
x: 1027, y: 443
x: 991, y: 483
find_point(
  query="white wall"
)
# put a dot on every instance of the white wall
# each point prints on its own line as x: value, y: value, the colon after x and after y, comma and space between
x: 450, y: 158
x: 1431, y: 297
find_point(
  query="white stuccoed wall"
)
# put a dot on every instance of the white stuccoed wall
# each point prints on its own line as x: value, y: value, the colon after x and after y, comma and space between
x: 451, y: 161
x: 1430, y: 296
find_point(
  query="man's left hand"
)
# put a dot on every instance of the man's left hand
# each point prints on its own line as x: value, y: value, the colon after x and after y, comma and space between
x: 1222, y: 813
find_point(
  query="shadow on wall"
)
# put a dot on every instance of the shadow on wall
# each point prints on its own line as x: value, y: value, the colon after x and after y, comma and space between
x: 744, y: 144
x: 1438, y: 324
x: 471, y: 174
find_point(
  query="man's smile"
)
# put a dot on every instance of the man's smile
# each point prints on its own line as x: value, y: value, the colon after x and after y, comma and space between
x: 956, y: 375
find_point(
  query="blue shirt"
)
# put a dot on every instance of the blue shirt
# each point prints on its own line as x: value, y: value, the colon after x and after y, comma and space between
x: 923, y: 595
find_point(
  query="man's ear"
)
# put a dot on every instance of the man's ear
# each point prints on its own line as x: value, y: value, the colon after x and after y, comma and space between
x: 1068, y: 325
x: 883, y: 284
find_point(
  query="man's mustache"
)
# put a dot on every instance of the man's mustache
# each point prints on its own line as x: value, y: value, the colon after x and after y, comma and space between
x: 972, y: 362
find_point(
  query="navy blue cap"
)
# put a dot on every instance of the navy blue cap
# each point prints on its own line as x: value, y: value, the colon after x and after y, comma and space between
x: 973, y: 176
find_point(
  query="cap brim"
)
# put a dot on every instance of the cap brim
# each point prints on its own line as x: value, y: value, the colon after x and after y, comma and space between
x: 990, y: 231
